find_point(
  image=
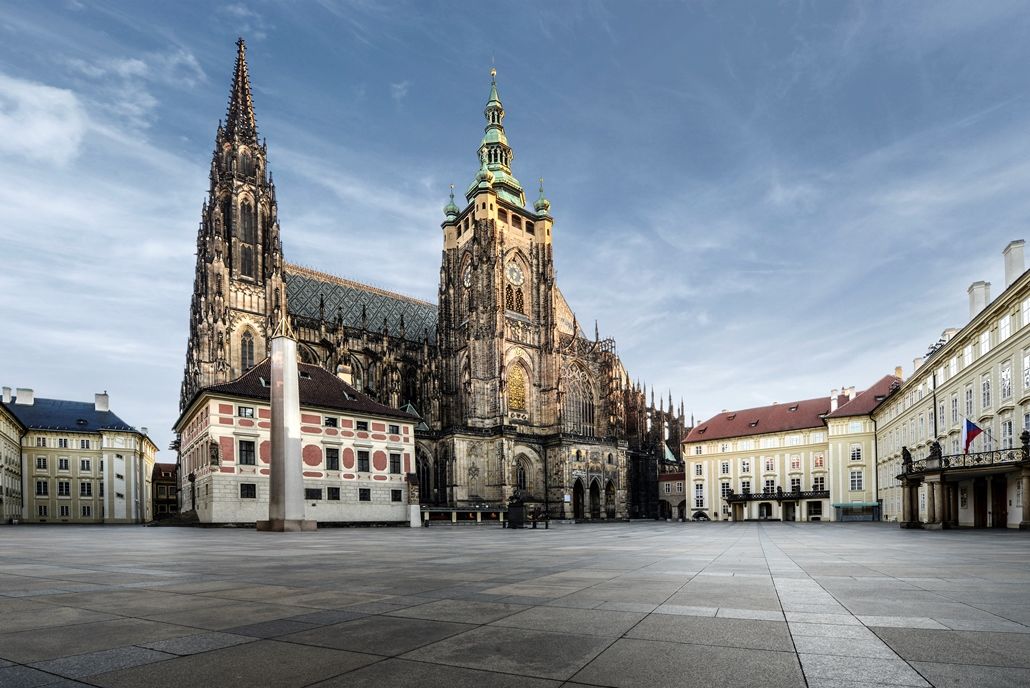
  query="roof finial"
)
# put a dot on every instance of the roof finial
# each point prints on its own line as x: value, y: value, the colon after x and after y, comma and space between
x: 450, y: 210
x: 493, y: 75
x: 542, y: 205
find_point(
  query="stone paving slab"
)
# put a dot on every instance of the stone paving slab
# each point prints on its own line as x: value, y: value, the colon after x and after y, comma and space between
x: 655, y: 604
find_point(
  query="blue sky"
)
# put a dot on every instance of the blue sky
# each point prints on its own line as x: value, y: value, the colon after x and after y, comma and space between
x: 759, y: 201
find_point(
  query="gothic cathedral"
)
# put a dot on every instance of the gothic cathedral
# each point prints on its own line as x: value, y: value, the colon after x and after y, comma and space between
x: 511, y: 393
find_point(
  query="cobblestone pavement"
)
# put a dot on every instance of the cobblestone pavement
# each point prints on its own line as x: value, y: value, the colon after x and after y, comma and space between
x: 624, y: 605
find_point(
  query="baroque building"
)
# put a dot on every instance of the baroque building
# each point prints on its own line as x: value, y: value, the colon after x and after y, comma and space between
x: 807, y: 460
x: 81, y: 463
x: 510, y: 393
x: 977, y: 374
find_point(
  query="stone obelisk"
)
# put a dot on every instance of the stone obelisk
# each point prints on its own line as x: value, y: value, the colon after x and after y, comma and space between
x: 286, y: 484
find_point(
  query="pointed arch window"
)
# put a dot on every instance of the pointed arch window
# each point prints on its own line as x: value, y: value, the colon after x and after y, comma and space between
x: 246, y: 351
x: 516, y: 388
x: 577, y: 403
x: 514, y: 300
x: 247, y: 222
x: 247, y: 260
x: 520, y: 476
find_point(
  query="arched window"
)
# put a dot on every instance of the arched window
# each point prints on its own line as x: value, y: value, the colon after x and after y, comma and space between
x: 247, y: 223
x: 520, y: 476
x: 516, y: 388
x: 577, y: 403
x: 514, y: 300
x: 246, y: 351
x: 247, y: 260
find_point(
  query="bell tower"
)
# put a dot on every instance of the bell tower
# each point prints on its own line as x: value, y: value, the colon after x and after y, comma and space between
x: 238, y: 292
x: 497, y: 294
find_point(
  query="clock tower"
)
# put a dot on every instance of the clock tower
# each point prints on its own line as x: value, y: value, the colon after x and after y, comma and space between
x: 497, y: 307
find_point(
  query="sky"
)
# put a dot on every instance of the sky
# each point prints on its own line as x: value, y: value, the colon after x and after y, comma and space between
x: 759, y: 201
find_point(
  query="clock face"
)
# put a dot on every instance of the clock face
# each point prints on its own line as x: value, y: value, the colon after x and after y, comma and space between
x: 466, y: 277
x: 514, y: 274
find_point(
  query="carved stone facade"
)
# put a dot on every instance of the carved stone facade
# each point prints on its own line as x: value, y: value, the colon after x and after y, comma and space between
x: 511, y: 394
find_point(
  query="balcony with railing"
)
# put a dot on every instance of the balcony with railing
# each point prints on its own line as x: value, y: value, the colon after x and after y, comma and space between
x: 778, y: 496
x: 937, y: 462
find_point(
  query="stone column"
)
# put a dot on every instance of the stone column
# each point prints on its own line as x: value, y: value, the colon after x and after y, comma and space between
x: 1024, y: 522
x: 286, y: 483
x: 906, y: 505
x: 932, y: 490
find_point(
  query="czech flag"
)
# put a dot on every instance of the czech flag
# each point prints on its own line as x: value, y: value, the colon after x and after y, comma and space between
x: 969, y: 433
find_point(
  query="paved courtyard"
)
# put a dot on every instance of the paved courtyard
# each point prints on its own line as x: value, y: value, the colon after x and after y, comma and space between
x: 625, y: 605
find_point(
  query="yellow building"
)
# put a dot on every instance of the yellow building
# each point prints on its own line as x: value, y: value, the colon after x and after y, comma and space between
x: 980, y: 372
x: 809, y: 460
x: 11, y: 431
x: 81, y: 463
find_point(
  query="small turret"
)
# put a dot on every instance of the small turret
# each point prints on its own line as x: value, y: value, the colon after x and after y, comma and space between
x: 542, y: 205
x: 450, y: 211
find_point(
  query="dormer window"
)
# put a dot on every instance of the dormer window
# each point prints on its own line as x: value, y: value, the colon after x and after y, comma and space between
x: 731, y: 416
x: 793, y: 408
x: 753, y: 424
x: 305, y: 375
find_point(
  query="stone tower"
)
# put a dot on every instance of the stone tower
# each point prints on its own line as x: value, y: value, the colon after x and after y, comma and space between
x: 238, y: 291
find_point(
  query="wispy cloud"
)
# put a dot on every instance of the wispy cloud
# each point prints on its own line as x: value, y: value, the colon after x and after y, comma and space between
x: 399, y: 90
x: 245, y: 20
x: 40, y: 122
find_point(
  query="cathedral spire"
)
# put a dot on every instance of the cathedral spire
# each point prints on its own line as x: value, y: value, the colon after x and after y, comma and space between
x: 495, y: 153
x: 239, y: 115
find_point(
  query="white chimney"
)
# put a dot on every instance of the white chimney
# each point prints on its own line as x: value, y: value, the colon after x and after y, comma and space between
x: 833, y: 400
x: 143, y: 430
x: 899, y: 373
x: 948, y: 334
x: 851, y: 392
x: 979, y: 297
x: 1014, y: 265
x: 916, y: 362
x: 102, y: 401
x: 24, y: 396
x: 7, y: 395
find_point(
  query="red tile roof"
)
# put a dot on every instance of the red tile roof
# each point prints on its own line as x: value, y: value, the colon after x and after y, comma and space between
x: 866, y: 402
x: 671, y: 476
x: 794, y: 415
x: 318, y: 387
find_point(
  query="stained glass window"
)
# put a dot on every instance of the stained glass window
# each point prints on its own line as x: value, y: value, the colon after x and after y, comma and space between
x: 516, y: 388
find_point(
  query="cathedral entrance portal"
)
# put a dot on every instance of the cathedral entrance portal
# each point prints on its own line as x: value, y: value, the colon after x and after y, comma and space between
x: 577, y: 499
x: 595, y: 500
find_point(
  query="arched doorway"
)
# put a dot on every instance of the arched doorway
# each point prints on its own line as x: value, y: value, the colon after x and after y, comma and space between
x: 664, y: 509
x: 609, y: 500
x: 681, y: 510
x: 595, y: 499
x: 577, y: 499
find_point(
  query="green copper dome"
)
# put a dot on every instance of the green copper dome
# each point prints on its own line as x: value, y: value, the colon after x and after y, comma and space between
x: 450, y: 210
x: 542, y: 205
x: 495, y: 154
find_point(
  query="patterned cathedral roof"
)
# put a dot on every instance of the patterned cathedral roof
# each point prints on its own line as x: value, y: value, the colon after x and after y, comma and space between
x: 306, y: 288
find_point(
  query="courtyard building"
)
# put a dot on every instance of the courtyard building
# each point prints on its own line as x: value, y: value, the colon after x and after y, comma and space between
x: 165, y: 492
x: 11, y: 431
x: 80, y: 462
x: 671, y: 492
x: 979, y: 374
x: 514, y: 394
x: 808, y: 460
x: 356, y: 452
